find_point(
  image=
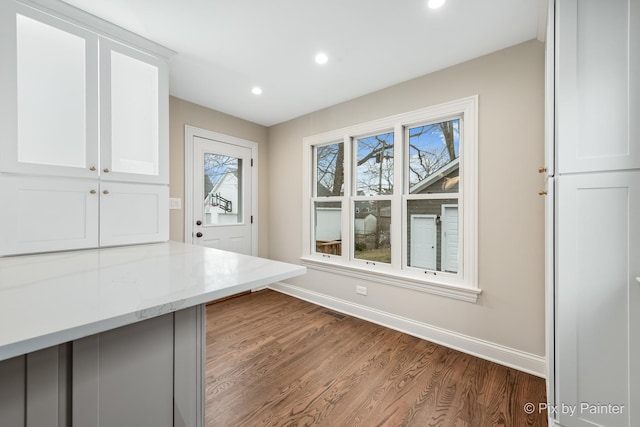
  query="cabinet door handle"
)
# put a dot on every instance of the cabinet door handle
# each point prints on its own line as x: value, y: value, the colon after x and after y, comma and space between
x: 542, y: 193
x: 93, y: 191
x: 198, y: 222
x: 92, y: 168
x: 542, y: 169
x: 105, y: 192
x: 106, y: 170
x: 198, y: 234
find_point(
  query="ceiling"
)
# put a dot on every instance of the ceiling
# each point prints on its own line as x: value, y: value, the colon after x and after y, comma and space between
x: 226, y: 47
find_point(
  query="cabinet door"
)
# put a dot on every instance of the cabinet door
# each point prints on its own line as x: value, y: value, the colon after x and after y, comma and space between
x: 47, y: 214
x: 133, y: 213
x: 49, y: 102
x: 134, y: 115
x: 597, y: 295
x: 598, y: 90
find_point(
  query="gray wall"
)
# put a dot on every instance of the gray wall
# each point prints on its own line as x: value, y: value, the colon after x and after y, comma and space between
x: 183, y: 113
x: 510, y: 86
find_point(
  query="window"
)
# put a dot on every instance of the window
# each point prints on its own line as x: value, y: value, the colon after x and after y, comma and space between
x: 394, y: 200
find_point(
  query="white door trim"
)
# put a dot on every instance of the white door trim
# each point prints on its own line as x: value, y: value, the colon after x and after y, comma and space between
x: 190, y: 132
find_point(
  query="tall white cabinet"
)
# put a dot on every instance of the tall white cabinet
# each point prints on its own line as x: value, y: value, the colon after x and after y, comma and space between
x: 594, y: 213
x: 83, y: 131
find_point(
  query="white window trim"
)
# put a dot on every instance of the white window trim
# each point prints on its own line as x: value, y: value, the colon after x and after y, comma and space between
x: 464, y: 285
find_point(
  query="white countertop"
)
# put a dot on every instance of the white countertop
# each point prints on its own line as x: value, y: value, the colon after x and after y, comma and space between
x: 49, y: 299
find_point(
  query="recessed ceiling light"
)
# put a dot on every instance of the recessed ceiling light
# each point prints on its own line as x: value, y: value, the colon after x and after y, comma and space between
x: 256, y: 91
x: 434, y: 4
x: 321, y: 58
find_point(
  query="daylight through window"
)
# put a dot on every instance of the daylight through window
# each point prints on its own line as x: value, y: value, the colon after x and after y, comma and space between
x: 396, y: 197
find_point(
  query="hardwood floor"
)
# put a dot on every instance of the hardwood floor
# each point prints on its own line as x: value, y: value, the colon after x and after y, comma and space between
x: 274, y: 360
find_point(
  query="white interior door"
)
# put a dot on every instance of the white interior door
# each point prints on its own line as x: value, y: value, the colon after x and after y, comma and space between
x: 222, y: 195
x: 423, y: 241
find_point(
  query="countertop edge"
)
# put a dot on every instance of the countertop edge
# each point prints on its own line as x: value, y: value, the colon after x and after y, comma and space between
x: 32, y: 344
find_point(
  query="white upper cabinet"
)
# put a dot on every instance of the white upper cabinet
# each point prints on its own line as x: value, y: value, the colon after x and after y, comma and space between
x: 49, y: 95
x: 597, y: 53
x: 71, y: 96
x: 84, y: 131
x: 133, y: 105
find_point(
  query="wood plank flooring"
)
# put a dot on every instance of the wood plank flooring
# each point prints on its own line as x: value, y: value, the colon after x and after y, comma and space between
x: 274, y: 360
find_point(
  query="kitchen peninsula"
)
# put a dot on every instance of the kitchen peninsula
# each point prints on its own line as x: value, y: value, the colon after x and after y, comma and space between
x: 114, y: 336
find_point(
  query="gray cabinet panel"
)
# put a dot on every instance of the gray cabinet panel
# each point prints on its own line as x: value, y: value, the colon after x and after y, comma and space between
x: 35, y: 389
x: 124, y: 377
x: 146, y: 374
x: 85, y: 382
x: 46, y: 387
x: 189, y: 367
x: 12, y: 392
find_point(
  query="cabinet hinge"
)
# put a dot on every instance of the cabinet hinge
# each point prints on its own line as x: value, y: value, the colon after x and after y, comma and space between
x: 251, y: 162
x: 251, y: 219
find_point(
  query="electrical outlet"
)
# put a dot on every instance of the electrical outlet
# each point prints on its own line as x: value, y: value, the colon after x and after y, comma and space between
x: 362, y: 290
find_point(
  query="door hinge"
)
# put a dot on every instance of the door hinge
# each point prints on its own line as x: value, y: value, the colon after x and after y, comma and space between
x: 251, y: 219
x: 251, y: 162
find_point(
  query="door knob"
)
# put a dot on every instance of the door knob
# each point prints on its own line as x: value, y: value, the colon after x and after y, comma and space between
x: 198, y: 234
x: 542, y: 169
x: 542, y: 193
x: 198, y: 222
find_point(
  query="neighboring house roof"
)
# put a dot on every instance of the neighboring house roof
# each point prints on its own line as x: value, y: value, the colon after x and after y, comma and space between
x: 323, y: 191
x: 362, y: 214
x: 436, y: 176
x: 231, y: 173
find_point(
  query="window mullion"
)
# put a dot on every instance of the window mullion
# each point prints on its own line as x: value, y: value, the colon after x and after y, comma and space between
x: 397, y: 238
x: 347, y: 208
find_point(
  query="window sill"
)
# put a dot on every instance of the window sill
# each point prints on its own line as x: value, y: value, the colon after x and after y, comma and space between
x: 394, y: 279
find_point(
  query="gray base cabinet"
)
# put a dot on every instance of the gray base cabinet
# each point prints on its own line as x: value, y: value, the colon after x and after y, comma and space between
x: 145, y: 374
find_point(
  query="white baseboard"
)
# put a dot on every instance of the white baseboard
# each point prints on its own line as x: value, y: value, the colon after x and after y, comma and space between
x: 497, y: 353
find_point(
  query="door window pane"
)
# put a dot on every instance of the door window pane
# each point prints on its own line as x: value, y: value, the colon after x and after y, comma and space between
x: 434, y: 157
x: 134, y: 115
x: 330, y: 170
x: 51, y: 95
x: 372, y: 230
x: 374, y: 169
x: 432, y: 234
x: 222, y: 189
x: 328, y: 227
